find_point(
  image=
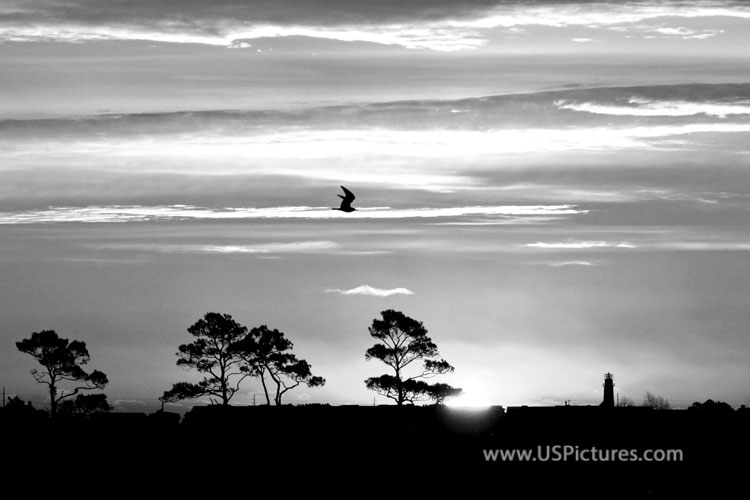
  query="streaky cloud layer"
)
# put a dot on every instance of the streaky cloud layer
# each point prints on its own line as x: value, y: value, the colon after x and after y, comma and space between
x: 642, y: 107
x: 433, y: 25
x: 569, y: 263
x: 121, y: 214
x: 368, y: 290
x: 579, y: 245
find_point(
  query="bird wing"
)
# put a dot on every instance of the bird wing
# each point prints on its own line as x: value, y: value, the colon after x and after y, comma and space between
x: 349, y: 195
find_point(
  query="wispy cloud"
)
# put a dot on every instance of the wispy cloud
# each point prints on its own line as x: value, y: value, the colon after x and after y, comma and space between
x: 294, y: 247
x: 569, y: 263
x: 95, y: 260
x: 504, y: 221
x: 704, y: 246
x: 431, y: 38
x: 372, y: 291
x: 434, y: 25
x: 646, y: 245
x: 663, y: 31
x: 644, y: 107
x: 258, y: 248
x: 579, y: 245
x: 292, y: 153
x: 122, y: 214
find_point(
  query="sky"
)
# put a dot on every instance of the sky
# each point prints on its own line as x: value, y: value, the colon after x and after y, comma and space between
x: 555, y: 189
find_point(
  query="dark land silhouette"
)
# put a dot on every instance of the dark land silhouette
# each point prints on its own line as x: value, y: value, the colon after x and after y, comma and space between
x: 328, y: 441
x: 610, y: 450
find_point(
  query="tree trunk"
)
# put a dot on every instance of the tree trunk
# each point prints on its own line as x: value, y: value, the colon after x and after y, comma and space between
x: 265, y: 389
x: 52, y: 399
x: 400, y: 388
x: 277, y: 399
x: 277, y: 381
x: 224, y: 395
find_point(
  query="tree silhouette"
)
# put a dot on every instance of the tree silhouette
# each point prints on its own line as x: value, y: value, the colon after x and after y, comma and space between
x: 625, y: 401
x: 711, y: 406
x: 651, y: 400
x: 438, y: 393
x: 213, y: 353
x: 62, y: 361
x: 266, y: 352
x: 403, y: 341
x: 85, y: 405
x: 15, y: 403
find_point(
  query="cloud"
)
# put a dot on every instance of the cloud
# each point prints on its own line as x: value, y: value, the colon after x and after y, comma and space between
x: 506, y: 221
x: 662, y: 31
x: 322, y: 150
x: 331, y: 143
x: 440, y: 25
x: 646, y: 245
x: 644, y: 107
x: 294, y: 247
x: 579, y: 245
x: 367, y: 290
x: 138, y: 213
x: 412, y: 25
x: 570, y: 263
x: 704, y: 246
x: 259, y: 248
x: 94, y: 260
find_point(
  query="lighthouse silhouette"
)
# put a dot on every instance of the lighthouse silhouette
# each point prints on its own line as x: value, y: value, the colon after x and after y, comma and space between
x: 609, y: 391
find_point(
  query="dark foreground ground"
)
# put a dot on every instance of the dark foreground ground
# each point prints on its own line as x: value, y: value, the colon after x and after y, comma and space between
x: 577, y: 452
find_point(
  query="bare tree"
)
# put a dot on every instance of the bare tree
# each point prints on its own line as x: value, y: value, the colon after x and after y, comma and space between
x: 651, y: 400
x: 625, y: 401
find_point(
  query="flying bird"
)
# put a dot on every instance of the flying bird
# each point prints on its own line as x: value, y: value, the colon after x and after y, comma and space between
x: 346, y: 201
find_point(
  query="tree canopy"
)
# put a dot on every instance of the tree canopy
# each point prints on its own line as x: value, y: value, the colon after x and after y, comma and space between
x: 266, y: 352
x: 85, y: 405
x: 228, y: 353
x: 213, y: 353
x: 403, y: 342
x: 63, y: 361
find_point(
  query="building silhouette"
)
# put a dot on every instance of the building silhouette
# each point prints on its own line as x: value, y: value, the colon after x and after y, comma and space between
x: 609, y: 391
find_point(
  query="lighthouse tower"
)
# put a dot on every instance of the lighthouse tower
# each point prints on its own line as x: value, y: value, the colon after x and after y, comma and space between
x: 609, y: 391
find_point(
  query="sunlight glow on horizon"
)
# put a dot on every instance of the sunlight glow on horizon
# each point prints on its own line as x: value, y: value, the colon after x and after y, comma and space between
x: 474, y: 395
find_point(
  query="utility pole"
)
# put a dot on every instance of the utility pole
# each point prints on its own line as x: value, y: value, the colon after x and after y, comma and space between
x: 3, y: 396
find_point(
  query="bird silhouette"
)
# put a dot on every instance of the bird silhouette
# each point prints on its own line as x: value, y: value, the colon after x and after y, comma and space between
x: 346, y: 201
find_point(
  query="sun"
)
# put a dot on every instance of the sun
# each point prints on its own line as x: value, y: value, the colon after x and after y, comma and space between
x: 474, y: 395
